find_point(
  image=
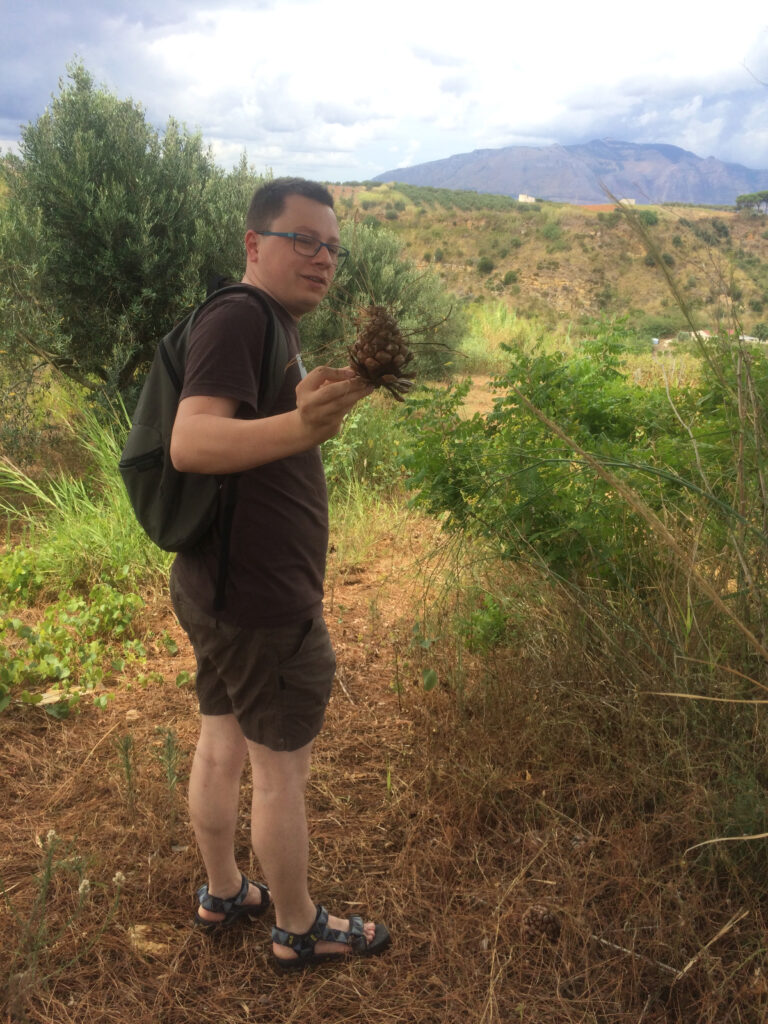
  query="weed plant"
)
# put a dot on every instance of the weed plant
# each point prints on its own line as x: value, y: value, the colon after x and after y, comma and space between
x: 126, y: 757
x: 42, y: 946
x: 79, y: 644
x: 169, y: 754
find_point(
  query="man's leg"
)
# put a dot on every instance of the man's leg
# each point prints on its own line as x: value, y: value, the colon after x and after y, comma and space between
x: 214, y: 792
x: 281, y: 842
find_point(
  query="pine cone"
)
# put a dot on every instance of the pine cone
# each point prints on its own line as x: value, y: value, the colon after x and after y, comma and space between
x: 381, y: 352
x: 540, y: 920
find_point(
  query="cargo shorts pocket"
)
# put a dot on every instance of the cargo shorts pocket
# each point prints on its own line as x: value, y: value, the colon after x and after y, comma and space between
x: 305, y: 680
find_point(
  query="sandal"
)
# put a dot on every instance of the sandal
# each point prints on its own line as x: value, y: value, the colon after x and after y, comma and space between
x: 234, y: 909
x: 304, y: 945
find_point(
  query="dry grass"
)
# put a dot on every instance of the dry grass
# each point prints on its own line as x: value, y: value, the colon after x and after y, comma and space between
x: 447, y: 815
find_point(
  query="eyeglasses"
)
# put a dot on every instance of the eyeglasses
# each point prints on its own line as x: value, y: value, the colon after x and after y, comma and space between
x: 304, y: 245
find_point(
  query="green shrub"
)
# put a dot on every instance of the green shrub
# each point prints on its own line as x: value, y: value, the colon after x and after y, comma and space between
x: 609, y: 220
x: 648, y: 217
x: 508, y: 479
x: 551, y: 231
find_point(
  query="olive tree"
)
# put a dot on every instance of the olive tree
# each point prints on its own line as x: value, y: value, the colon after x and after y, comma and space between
x: 122, y: 227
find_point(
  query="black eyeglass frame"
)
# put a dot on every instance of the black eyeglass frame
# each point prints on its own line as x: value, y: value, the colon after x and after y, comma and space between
x: 337, y: 252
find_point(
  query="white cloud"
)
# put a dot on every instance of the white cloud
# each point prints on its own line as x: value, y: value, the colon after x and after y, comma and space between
x: 353, y: 92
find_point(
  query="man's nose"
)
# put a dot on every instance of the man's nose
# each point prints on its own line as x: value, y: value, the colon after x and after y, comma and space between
x: 323, y: 256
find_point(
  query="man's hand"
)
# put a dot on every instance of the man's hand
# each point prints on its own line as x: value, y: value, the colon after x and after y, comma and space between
x: 325, y: 396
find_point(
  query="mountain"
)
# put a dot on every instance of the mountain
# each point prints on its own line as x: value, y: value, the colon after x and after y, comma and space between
x: 648, y: 173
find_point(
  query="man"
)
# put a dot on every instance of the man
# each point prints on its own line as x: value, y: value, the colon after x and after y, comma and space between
x: 265, y: 662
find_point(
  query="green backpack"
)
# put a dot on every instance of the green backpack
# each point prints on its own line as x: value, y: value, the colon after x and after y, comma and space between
x: 177, y: 509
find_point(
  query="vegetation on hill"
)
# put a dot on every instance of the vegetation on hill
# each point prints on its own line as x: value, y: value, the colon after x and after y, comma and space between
x: 569, y: 264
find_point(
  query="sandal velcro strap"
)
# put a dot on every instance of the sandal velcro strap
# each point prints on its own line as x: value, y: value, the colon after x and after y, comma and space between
x: 234, y: 909
x: 219, y: 906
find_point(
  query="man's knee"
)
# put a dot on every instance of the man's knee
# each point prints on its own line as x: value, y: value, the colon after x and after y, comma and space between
x: 279, y: 772
x: 221, y: 761
x: 221, y: 745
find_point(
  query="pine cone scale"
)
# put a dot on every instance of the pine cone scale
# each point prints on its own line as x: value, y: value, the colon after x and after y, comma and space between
x: 381, y: 352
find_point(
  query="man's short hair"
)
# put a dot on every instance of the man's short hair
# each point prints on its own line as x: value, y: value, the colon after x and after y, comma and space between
x: 268, y: 201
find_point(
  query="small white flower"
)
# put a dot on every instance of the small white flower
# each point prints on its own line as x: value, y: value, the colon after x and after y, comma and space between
x: 51, y: 836
x: 84, y: 889
x: 118, y: 879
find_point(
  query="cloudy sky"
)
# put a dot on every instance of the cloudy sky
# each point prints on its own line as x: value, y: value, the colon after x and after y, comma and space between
x: 341, y: 90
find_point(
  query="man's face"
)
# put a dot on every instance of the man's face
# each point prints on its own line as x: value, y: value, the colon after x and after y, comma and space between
x: 298, y: 282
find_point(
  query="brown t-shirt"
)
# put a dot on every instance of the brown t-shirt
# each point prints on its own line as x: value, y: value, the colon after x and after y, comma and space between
x: 279, y: 533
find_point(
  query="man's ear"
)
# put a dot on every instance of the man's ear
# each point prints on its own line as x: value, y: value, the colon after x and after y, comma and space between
x: 252, y: 241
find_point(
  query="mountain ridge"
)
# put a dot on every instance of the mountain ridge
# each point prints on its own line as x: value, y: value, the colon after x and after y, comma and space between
x: 649, y: 173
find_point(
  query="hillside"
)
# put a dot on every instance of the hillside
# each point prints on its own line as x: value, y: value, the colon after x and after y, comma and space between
x: 564, y: 263
x: 576, y: 174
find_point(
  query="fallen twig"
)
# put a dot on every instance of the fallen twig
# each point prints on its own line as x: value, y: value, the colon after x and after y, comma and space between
x: 723, y: 931
x: 638, y: 956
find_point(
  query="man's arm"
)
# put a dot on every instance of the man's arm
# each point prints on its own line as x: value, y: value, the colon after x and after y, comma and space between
x: 207, y: 438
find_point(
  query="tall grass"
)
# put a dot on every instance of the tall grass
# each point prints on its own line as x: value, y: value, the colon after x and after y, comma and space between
x: 72, y: 529
x: 495, y: 324
x: 365, y: 473
x: 80, y: 529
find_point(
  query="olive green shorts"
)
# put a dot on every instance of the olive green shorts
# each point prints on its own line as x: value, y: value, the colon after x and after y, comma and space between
x: 276, y: 681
